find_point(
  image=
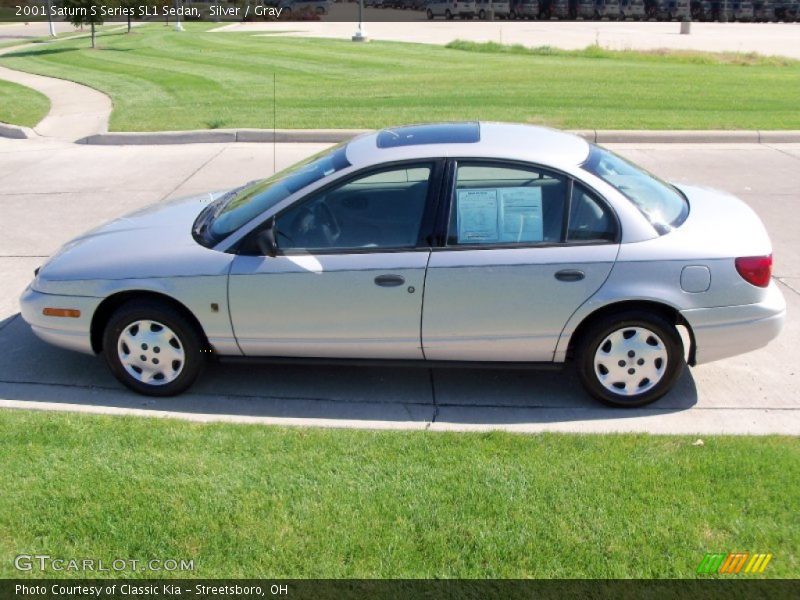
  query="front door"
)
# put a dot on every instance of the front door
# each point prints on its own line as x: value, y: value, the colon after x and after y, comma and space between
x: 349, y: 275
x: 525, y: 248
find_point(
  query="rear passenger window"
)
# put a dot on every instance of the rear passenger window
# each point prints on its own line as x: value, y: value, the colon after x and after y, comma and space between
x: 506, y: 205
x: 589, y: 219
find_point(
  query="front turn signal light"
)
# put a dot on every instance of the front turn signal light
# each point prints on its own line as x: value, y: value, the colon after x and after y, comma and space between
x: 61, y: 312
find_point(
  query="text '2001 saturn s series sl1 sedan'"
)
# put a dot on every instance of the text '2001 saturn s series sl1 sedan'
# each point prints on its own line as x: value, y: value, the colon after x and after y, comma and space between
x: 453, y: 243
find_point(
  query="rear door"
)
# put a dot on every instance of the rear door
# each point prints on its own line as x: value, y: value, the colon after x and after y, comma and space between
x: 524, y: 248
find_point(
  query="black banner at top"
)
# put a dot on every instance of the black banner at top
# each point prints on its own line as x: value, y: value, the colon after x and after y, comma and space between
x: 107, y: 11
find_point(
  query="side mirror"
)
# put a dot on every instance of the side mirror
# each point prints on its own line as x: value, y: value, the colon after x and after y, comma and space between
x: 265, y: 240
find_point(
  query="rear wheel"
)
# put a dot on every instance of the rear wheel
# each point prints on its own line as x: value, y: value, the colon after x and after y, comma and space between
x: 152, y: 348
x: 630, y: 359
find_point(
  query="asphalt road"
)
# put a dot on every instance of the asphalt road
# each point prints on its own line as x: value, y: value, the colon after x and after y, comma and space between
x: 51, y: 191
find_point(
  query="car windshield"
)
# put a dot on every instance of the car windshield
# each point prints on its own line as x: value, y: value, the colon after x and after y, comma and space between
x: 235, y: 209
x: 663, y: 205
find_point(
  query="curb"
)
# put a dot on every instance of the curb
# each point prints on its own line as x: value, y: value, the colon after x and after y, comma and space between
x: 16, y: 132
x: 224, y: 136
x: 332, y: 136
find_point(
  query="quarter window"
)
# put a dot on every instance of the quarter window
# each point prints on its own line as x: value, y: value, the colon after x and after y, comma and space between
x: 499, y: 205
x: 589, y: 219
x: 379, y: 210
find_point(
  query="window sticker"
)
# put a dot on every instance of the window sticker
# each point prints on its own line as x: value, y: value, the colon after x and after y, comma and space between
x: 509, y: 214
x: 477, y: 216
x: 521, y: 214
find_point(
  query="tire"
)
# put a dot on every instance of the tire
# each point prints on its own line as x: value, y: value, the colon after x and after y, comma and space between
x: 604, y: 360
x: 482, y: 15
x: 430, y: 15
x: 448, y: 15
x: 170, y: 334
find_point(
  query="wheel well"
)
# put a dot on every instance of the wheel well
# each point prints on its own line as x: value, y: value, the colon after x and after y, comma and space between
x: 664, y: 310
x: 113, y: 302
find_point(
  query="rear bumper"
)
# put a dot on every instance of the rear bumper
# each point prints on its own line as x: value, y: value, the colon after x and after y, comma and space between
x: 65, y: 332
x: 727, y: 331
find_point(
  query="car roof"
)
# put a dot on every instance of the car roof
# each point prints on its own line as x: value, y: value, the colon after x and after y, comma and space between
x: 510, y: 141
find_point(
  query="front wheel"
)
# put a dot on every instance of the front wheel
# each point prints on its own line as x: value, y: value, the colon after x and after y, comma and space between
x: 630, y: 359
x: 152, y: 348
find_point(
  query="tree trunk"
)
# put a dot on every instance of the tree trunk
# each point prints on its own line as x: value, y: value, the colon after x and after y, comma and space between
x: 93, y: 44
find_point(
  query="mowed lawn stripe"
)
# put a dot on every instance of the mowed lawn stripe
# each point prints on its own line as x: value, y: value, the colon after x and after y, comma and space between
x: 256, y: 501
x: 160, y: 79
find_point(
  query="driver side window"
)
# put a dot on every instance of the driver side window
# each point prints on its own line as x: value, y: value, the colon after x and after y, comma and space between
x: 379, y: 210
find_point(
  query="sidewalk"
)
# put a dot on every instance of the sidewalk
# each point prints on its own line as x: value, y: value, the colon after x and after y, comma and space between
x: 76, y: 111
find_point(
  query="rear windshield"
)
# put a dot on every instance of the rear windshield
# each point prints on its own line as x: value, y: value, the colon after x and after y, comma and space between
x: 663, y: 205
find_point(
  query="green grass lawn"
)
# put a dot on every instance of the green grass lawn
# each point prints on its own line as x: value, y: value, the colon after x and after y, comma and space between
x: 21, y: 105
x: 160, y: 79
x: 255, y: 501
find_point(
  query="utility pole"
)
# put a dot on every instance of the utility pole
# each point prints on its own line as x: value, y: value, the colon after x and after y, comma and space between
x: 51, y: 25
x: 360, y: 36
x: 178, y: 24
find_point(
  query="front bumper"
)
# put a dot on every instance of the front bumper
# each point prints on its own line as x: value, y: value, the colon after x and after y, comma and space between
x: 66, y: 332
x: 726, y: 331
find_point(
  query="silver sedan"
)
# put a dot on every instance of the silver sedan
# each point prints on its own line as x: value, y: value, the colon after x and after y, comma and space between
x: 443, y: 244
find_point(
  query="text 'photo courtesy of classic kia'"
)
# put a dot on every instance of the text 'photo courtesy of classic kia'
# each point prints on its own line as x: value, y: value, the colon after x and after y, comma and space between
x: 441, y: 244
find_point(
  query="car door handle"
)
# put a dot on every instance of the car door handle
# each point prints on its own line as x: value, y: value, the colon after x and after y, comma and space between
x: 389, y: 280
x: 570, y: 275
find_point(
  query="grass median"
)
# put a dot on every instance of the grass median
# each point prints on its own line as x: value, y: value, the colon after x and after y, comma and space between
x: 20, y: 105
x: 255, y: 501
x: 159, y: 79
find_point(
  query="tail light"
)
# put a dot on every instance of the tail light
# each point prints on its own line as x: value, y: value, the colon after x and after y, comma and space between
x: 755, y: 269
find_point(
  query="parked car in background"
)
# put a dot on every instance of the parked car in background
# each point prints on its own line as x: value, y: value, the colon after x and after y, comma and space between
x: 631, y: 9
x: 558, y: 9
x: 586, y: 9
x: 606, y: 9
x: 673, y: 10
x: 321, y: 7
x: 484, y: 8
x: 524, y: 9
x: 449, y: 9
x: 443, y: 244
x: 741, y: 10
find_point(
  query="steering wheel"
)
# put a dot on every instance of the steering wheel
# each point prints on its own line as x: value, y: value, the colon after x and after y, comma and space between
x: 328, y: 222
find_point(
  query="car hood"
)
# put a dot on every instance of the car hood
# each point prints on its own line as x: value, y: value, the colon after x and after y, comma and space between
x: 155, y: 241
x: 719, y: 225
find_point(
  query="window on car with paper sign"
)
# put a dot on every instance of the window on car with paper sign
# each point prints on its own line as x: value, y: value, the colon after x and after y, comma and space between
x: 506, y: 205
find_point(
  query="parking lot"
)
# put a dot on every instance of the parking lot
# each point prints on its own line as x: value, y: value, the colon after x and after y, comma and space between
x: 51, y: 191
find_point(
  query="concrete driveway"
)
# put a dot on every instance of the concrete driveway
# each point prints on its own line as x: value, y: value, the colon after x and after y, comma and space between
x: 779, y: 39
x: 51, y: 191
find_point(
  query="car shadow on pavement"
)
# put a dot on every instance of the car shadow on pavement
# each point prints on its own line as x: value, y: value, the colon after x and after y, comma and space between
x: 33, y: 371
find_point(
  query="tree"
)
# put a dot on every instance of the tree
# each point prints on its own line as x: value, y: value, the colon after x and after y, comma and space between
x: 132, y: 6
x: 85, y: 12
